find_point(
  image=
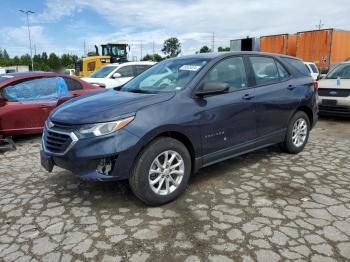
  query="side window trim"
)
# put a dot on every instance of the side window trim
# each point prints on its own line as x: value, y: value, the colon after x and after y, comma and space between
x: 67, y: 79
x: 281, y: 64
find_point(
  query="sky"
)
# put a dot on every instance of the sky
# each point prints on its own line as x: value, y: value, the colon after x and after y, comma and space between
x: 62, y: 26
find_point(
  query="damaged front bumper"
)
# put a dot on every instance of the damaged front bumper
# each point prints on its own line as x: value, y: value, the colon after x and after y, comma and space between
x: 108, y: 157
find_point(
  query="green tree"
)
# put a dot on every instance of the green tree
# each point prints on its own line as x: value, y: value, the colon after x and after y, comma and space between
x: 171, y: 47
x: 54, y: 62
x: 91, y: 53
x: 205, y: 49
x: 25, y: 60
x: 155, y: 58
x: 5, y: 55
x: 223, y: 49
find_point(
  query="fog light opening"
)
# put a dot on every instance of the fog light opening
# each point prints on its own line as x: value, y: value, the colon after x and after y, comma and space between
x: 105, y: 166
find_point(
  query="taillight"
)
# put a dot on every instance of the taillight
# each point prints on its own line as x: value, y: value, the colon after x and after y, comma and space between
x: 315, y: 85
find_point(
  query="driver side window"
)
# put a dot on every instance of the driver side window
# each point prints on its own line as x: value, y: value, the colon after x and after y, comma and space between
x: 231, y: 71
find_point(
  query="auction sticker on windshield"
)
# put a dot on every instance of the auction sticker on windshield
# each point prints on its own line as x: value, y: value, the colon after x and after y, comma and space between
x: 190, y: 68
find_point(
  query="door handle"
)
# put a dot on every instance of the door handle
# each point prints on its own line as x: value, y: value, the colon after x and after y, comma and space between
x: 291, y: 87
x: 247, y: 97
x: 44, y: 106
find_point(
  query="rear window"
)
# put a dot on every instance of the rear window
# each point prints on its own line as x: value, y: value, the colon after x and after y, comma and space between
x: 314, y: 68
x: 298, y: 65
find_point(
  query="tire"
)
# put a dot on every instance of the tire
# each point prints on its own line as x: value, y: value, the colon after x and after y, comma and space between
x: 291, y: 145
x: 141, y: 178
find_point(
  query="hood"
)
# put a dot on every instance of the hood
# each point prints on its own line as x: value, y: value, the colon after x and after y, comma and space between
x: 105, y: 106
x: 332, y: 83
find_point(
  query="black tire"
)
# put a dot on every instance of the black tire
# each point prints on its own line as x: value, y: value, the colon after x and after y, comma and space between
x: 288, y: 145
x: 139, y: 177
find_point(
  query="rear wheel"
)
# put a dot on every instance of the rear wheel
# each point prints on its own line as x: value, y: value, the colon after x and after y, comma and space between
x: 161, y: 171
x: 297, y: 133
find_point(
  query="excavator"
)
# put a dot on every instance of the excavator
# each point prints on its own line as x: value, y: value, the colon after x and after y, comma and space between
x: 111, y: 53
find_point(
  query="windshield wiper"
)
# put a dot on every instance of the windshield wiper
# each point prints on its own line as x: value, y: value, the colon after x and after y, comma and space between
x: 140, y: 91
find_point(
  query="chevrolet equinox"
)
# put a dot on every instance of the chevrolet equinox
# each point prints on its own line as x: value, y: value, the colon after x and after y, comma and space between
x: 181, y: 115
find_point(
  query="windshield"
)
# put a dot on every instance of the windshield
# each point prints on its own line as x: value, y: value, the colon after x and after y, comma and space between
x: 103, y: 72
x: 342, y: 71
x: 167, y: 76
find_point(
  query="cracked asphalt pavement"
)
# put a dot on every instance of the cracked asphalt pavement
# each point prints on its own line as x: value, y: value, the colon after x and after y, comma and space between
x: 263, y: 206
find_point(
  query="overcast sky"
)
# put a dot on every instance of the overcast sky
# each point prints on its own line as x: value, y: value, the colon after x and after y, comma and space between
x: 62, y: 25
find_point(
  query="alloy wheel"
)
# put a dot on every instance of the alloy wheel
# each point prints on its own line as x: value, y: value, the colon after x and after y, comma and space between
x: 166, y: 172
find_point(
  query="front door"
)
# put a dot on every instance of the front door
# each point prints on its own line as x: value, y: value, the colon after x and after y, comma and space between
x: 28, y: 105
x: 227, y: 120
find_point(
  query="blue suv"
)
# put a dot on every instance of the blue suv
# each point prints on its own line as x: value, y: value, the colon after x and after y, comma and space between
x: 179, y: 116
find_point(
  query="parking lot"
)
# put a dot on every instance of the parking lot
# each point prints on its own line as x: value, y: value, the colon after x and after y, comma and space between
x: 264, y: 206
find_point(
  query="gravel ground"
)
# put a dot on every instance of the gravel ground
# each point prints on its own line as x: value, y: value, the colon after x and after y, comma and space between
x: 264, y: 206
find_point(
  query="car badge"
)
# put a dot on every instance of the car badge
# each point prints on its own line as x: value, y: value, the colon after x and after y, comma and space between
x: 333, y: 93
x: 50, y: 125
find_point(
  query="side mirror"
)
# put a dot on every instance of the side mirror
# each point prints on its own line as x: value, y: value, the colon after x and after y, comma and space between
x: 116, y: 75
x: 212, y: 88
x: 62, y: 100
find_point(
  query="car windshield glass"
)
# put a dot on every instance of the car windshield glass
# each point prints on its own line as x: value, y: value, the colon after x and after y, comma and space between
x: 103, y: 72
x: 342, y: 71
x: 167, y: 76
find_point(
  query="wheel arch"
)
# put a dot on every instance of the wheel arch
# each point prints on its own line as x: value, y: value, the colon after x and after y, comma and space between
x: 308, y: 112
x: 180, y: 136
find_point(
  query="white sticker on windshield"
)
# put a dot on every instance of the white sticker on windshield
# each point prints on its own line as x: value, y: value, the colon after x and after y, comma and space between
x: 7, y: 76
x: 190, y: 67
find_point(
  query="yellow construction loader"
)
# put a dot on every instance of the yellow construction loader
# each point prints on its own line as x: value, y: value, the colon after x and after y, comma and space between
x: 111, y: 53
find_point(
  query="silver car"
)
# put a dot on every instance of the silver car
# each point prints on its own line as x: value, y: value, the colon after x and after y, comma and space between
x: 334, y: 91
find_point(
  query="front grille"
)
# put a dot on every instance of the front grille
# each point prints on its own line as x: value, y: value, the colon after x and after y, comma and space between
x: 334, y: 92
x: 57, y: 142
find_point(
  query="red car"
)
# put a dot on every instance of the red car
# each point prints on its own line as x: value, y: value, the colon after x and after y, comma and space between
x: 26, y: 99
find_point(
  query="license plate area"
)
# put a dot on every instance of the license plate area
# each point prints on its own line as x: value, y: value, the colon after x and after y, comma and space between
x: 47, y: 162
x: 329, y: 102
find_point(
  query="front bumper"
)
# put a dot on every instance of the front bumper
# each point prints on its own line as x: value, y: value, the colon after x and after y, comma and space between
x: 84, y: 155
x: 330, y: 105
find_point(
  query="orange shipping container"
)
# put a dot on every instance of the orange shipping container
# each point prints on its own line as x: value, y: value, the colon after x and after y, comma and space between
x: 324, y: 47
x: 279, y: 44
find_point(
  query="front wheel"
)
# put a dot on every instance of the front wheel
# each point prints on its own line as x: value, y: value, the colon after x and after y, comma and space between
x: 297, y: 133
x: 161, y: 172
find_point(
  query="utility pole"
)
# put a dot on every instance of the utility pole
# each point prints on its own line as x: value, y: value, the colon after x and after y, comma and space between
x: 320, y: 25
x: 213, y: 43
x: 27, y: 13
x: 141, y: 49
x: 153, y: 47
x: 84, y: 48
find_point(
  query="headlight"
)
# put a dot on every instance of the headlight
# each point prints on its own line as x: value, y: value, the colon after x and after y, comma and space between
x: 105, y: 128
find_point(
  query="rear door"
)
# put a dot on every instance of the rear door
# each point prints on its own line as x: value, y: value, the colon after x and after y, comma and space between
x: 275, y: 97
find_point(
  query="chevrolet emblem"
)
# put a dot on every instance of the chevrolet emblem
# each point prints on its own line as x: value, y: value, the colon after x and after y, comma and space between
x: 50, y: 125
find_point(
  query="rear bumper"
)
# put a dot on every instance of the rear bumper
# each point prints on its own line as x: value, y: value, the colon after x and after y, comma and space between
x: 83, y: 158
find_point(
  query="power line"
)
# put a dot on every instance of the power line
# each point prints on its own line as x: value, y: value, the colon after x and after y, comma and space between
x: 213, y: 43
